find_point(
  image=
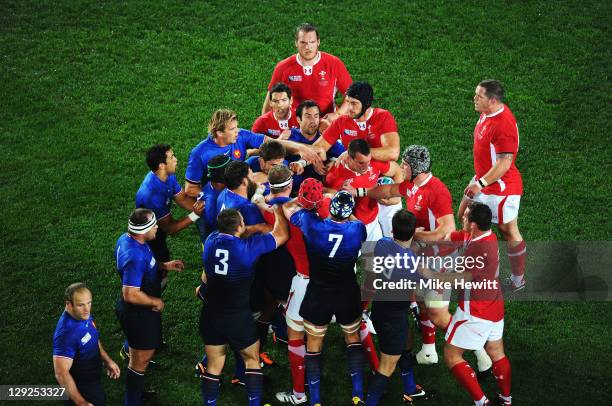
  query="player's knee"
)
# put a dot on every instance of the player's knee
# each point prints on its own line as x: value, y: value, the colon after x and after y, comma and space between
x: 451, y: 357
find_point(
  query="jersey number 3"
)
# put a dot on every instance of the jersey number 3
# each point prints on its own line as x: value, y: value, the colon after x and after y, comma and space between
x: 224, y: 256
x: 338, y: 239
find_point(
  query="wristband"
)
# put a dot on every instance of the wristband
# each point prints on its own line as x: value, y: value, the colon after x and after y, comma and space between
x: 362, y: 192
x: 303, y: 163
x: 483, y: 182
x: 193, y: 217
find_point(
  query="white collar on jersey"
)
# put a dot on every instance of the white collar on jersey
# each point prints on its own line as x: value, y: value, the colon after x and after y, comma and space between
x: 427, y: 179
x: 480, y: 237
x: 276, y: 118
x: 496, y: 113
x: 317, y: 59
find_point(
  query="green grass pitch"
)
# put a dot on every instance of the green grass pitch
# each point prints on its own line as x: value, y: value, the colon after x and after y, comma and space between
x: 87, y: 86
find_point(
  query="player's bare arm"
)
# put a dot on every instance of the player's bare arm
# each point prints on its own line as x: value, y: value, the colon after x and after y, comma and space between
x: 280, y: 232
x: 184, y: 200
x: 62, y: 367
x: 266, y: 105
x: 256, y: 228
x: 192, y: 189
x: 290, y: 208
x: 134, y: 295
x: 395, y: 172
x: 502, y: 164
x: 390, y: 149
x: 171, y: 226
x: 175, y: 265
x: 112, y: 369
x: 446, y: 225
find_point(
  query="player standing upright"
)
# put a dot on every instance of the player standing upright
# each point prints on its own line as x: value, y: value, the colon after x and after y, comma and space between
x: 226, y: 316
x: 311, y: 74
x: 479, y: 318
x: 333, y: 246
x: 497, y: 182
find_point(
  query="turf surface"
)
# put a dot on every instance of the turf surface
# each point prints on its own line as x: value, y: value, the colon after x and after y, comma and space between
x: 88, y: 86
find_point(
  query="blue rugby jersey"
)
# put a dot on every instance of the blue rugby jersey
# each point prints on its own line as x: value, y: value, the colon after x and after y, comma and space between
x: 230, y: 200
x: 156, y: 195
x: 229, y: 263
x: 78, y: 340
x: 333, y: 247
x: 197, y: 166
x: 136, y: 266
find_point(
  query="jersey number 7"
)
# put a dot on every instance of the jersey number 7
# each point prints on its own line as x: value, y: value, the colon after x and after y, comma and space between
x: 338, y: 239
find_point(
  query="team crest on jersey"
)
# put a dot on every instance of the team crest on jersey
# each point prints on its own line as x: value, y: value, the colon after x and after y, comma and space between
x: 307, y: 70
x: 295, y: 78
x: 350, y: 133
x: 237, y: 154
x: 322, y: 74
x: 417, y: 205
x: 372, y: 176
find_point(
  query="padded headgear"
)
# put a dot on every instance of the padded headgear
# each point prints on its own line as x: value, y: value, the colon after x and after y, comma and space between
x: 418, y: 158
x: 342, y: 205
x: 363, y: 92
x: 310, y: 193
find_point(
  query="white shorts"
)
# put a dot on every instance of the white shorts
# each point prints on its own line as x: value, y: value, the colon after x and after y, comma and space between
x: 503, y: 208
x: 374, y: 231
x: 471, y: 333
x: 296, y: 295
x: 385, y: 215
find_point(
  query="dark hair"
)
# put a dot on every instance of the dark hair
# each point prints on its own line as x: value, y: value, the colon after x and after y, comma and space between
x: 280, y: 87
x: 235, y: 172
x: 228, y: 221
x: 279, y: 174
x: 360, y: 146
x: 481, y: 215
x: 305, y: 27
x: 493, y: 89
x: 216, y: 168
x: 271, y: 150
x: 72, y: 289
x: 306, y: 104
x: 140, y: 216
x: 404, y: 224
x: 156, y: 155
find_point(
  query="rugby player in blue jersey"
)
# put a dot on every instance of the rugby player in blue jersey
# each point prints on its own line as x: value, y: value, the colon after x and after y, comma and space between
x: 77, y: 351
x: 139, y: 306
x: 224, y: 137
x: 226, y: 317
x: 390, y: 314
x: 333, y: 247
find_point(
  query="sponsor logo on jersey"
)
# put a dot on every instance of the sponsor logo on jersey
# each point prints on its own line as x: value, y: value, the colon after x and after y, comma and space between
x: 283, y: 124
x: 362, y: 125
x: 85, y: 339
x: 295, y: 78
x: 237, y: 154
x: 307, y: 70
x: 275, y: 133
x: 350, y: 133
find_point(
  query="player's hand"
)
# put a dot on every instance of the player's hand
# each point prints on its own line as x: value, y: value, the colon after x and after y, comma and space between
x: 347, y: 186
x: 198, y: 207
x: 199, y: 291
x: 85, y: 403
x: 112, y: 370
x: 252, y: 151
x: 284, y: 135
x: 342, y: 159
x: 309, y: 154
x: 472, y: 190
x: 296, y: 168
x: 324, y: 123
x: 175, y: 265
x: 158, y: 305
x: 390, y: 201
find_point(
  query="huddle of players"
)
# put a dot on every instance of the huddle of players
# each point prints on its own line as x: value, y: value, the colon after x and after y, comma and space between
x: 321, y: 236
